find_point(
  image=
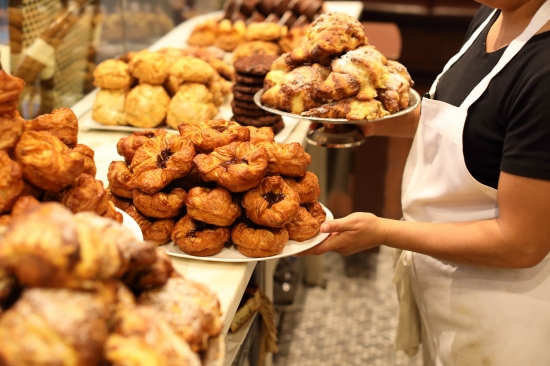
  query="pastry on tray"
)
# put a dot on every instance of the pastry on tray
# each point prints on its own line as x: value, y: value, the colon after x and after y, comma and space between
x: 192, y: 103
x: 199, y: 238
x: 212, y: 206
x: 161, y: 205
x: 146, y: 106
x: 210, y: 134
x: 307, y: 222
x: 127, y: 146
x: 307, y: 187
x: 108, y: 107
x: 255, y: 241
x: 148, y: 67
x: 113, y: 75
x: 286, y: 159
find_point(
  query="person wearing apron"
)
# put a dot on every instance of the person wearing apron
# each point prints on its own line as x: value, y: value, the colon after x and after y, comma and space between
x: 470, y: 260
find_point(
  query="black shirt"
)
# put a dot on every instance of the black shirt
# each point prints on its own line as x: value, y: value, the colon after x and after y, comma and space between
x: 508, y: 127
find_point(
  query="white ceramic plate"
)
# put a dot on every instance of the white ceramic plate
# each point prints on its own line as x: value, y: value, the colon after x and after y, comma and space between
x: 131, y: 224
x: 231, y: 254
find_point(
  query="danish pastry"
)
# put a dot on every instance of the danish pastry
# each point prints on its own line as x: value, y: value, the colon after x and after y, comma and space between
x: 108, y: 107
x: 86, y: 194
x: 307, y: 223
x: 208, y: 135
x: 198, y: 238
x: 262, y: 134
x: 286, y: 159
x: 120, y: 179
x: 61, y: 123
x: 148, y: 67
x: 255, y: 241
x: 161, y: 205
x: 11, y: 182
x: 161, y: 160
x: 146, y: 106
x: 238, y: 166
x: 212, y: 206
x: 154, y: 230
x: 88, y: 153
x: 127, y: 146
x: 113, y: 75
x: 307, y: 187
x: 112, y: 213
x: 273, y: 203
x: 120, y: 202
x: 10, y: 131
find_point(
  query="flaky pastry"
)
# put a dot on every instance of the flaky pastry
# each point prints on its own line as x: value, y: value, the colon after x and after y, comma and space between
x: 191, y: 104
x: 61, y: 123
x: 146, y: 106
x: 351, y: 109
x: 148, y: 67
x: 307, y: 223
x: 11, y: 129
x: 120, y: 179
x: 256, y: 241
x: 119, y: 202
x: 156, y: 231
x: 127, y: 146
x: 161, y: 205
x: 10, y: 89
x: 108, y: 107
x: 286, y: 159
x: 238, y: 166
x: 86, y: 194
x: 307, y: 187
x: 262, y: 134
x: 273, y: 203
x: 210, y: 134
x: 212, y: 206
x: 112, y: 213
x: 198, y: 238
x: 113, y: 75
x: 89, y: 163
x: 11, y: 182
x: 395, y: 93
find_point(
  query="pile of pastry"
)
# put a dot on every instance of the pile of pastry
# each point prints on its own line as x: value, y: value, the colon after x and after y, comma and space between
x: 80, y: 289
x: 217, y: 182
x: 41, y: 160
x: 335, y: 73
x: 147, y: 89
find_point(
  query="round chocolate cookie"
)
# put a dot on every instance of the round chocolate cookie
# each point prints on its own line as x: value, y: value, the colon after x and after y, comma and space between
x: 243, y: 96
x: 256, y: 121
x: 244, y: 104
x: 249, y: 112
x: 247, y: 89
x: 257, y: 65
x: 249, y: 80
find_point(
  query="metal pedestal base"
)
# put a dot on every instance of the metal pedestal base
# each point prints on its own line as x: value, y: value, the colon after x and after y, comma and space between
x: 336, y: 136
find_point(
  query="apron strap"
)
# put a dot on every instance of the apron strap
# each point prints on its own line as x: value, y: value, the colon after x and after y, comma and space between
x: 539, y: 20
x: 463, y: 50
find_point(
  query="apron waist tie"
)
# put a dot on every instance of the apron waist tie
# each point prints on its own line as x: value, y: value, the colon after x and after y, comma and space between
x: 407, y: 338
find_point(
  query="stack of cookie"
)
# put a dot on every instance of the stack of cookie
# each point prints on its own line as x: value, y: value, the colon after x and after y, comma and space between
x: 249, y: 79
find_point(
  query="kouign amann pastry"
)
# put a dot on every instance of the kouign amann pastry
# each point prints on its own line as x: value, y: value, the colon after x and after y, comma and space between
x: 262, y: 134
x: 146, y: 106
x: 11, y: 129
x: 156, y: 231
x: 86, y: 194
x: 120, y: 179
x: 161, y: 205
x: 272, y: 203
x: 307, y: 187
x: 307, y: 223
x: 191, y: 104
x: 88, y: 154
x: 11, y: 182
x: 61, y: 123
x: 198, y: 238
x: 257, y: 242
x: 127, y: 146
x: 212, y: 206
x: 210, y: 134
x: 238, y: 166
x: 113, y: 75
x: 148, y: 67
x: 108, y: 107
x: 286, y: 159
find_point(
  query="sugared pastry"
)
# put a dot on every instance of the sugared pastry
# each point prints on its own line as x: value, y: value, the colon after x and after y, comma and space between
x: 146, y: 106
x: 191, y: 104
x: 307, y: 187
x: 307, y: 223
x: 395, y: 95
x: 113, y: 75
x: 192, y: 70
x: 161, y: 160
x: 273, y: 203
x: 86, y: 194
x: 256, y: 241
x: 61, y: 123
x: 212, y: 206
x: 286, y: 159
x: 154, y: 230
x: 230, y: 35
x: 10, y: 88
x: 11, y: 129
x: 329, y: 35
x: 161, y: 205
x: 198, y: 238
x: 267, y: 32
x: 120, y: 179
x: 108, y: 107
x: 210, y: 134
x: 204, y: 34
x: 88, y: 153
x: 127, y: 146
x: 112, y: 213
x: 47, y: 162
x: 255, y: 48
x: 148, y: 67
x: 350, y: 109
x: 11, y: 182
x: 238, y: 166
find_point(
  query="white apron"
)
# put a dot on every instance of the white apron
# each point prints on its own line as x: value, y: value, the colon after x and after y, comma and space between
x: 467, y: 315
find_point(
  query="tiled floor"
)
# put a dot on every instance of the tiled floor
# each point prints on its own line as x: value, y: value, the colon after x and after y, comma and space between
x: 350, y: 322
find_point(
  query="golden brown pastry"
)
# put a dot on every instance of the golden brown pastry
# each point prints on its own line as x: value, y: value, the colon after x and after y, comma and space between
x: 255, y: 48
x: 262, y: 134
x: 112, y: 213
x: 191, y: 104
x: 307, y: 223
x: 47, y: 162
x: 210, y: 134
x: 171, y: 55
x: 357, y: 73
x: 148, y: 67
x: 329, y: 35
x: 191, y: 309
x: 142, y: 338
x: 212, y: 206
x: 273, y: 203
x: 204, y: 34
x: 256, y: 241
x: 10, y: 89
x: 11, y: 182
x: 268, y: 32
x: 286, y: 159
x: 86, y: 194
x: 161, y: 205
x: 294, y: 91
x: 120, y: 179
x: 395, y: 94
x: 31, y: 190
x: 198, y: 238
x: 220, y: 88
x: 89, y: 163
x: 56, y: 327
x: 156, y: 231
x: 119, y: 202
x: 192, y: 180
x: 61, y: 123
x: 292, y: 39
x: 108, y: 107
x: 155, y: 275
x: 224, y: 69
x: 23, y: 204
x: 11, y: 129
x: 229, y: 36
x: 307, y: 187
x: 281, y: 63
x: 350, y: 109
x: 146, y: 106
x: 113, y: 75
x: 160, y: 160
x: 192, y: 70
x: 238, y: 166
x: 127, y: 146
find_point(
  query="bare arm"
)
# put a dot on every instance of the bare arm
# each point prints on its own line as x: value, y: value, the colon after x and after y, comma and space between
x: 519, y: 238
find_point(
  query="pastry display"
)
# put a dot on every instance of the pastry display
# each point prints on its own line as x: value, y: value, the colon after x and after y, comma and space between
x: 256, y: 241
x: 212, y: 206
x: 156, y: 231
x: 160, y: 205
x: 307, y: 187
x: 335, y: 73
x: 208, y: 135
x: 127, y: 146
x: 198, y: 238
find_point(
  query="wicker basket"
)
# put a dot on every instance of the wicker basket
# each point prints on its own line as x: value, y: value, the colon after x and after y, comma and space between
x: 215, y: 355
